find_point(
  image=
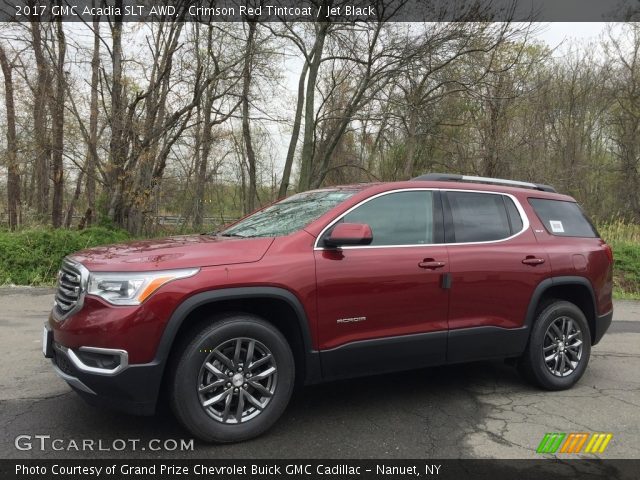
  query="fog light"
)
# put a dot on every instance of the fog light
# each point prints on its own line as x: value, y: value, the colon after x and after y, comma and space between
x: 103, y: 361
x: 99, y: 360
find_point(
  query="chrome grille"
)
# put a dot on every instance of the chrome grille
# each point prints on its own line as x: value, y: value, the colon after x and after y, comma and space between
x: 70, y: 289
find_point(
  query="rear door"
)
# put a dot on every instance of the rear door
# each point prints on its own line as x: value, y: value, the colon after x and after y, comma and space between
x: 496, y: 264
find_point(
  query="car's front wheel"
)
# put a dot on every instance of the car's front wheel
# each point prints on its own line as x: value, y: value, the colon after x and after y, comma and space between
x: 233, y: 380
x: 559, y: 347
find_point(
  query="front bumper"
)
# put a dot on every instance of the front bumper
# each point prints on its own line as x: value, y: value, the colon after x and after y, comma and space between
x: 133, y: 389
x: 602, y: 325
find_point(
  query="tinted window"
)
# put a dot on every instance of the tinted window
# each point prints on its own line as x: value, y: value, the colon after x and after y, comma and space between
x: 561, y: 218
x: 478, y: 217
x: 514, y: 216
x: 402, y: 218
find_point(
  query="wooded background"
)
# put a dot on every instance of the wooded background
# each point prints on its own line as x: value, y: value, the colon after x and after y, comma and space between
x: 133, y: 125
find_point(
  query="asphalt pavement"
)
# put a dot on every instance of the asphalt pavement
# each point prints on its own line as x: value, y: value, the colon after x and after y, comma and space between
x: 479, y: 410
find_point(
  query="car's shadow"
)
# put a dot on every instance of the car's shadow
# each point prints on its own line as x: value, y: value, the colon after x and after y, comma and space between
x: 331, y: 419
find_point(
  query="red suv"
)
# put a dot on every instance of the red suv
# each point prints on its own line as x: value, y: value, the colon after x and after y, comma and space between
x: 333, y: 283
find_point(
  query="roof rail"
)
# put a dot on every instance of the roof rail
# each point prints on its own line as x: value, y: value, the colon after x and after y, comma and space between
x: 451, y: 177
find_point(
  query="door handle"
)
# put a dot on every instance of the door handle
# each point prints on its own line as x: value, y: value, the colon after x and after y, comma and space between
x: 431, y: 264
x: 531, y: 260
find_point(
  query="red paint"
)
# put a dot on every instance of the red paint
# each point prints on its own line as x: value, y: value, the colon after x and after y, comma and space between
x: 398, y: 289
x: 385, y: 285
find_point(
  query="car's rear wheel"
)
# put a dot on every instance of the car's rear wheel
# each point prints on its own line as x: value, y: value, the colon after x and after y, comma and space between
x: 233, y: 380
x: 559, y: 347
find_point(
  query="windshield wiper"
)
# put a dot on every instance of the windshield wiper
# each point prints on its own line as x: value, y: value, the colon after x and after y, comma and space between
x: 233, y: 235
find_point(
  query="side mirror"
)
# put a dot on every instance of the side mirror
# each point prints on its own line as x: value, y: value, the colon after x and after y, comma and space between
x: 350, y: 234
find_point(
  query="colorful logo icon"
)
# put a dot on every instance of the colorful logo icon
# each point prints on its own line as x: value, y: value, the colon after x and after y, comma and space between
x: 574, y: 442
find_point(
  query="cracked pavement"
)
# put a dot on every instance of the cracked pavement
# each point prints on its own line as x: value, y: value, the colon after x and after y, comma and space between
x: 480, y: 410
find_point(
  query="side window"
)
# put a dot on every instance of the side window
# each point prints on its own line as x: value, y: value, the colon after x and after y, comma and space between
x: 514, y: 215
x: 480, y: 217
x: 401, y: 218
x: 562, y: 218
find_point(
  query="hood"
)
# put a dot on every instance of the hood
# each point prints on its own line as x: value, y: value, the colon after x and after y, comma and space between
x: 173, y: 252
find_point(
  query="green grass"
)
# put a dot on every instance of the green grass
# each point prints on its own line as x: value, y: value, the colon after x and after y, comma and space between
x: 626, y: 272
x: 624, y: 239
x: 32, y: 257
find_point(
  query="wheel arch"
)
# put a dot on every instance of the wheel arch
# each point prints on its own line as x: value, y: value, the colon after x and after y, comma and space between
x: 574, y: 289
x: 277, y: 306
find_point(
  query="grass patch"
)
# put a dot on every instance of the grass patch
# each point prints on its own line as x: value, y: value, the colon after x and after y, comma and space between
x: 33, y: 257
x: 624, y: 239
x: 626, y: 271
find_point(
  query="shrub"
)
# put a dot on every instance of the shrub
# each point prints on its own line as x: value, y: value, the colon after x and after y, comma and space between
x: 624, y: 239
x: 32, y: 257
x: 626, y: 276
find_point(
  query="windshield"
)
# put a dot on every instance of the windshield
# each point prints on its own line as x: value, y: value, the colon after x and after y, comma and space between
x: 289, y: 215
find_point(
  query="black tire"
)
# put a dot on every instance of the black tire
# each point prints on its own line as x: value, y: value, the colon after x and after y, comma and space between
x: 532, y: 363
x: 189, y: 371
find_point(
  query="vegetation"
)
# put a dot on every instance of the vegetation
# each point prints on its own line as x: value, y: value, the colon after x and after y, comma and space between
x: 33, y: 257
x: 624, y: 239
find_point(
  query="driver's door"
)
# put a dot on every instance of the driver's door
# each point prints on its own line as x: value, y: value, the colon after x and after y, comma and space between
x: 384, y: 306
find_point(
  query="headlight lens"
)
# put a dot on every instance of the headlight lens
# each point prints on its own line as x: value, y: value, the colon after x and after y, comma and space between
x: 132, y: 288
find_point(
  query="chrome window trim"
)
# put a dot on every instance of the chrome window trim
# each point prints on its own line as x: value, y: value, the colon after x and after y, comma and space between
x: 523, y: 216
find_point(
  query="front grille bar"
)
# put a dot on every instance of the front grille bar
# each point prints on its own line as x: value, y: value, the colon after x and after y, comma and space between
x: 71, y: 287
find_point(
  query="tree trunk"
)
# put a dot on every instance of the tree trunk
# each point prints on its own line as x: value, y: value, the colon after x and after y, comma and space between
x: 116, y: 145
x: 92, y: 149
x: 13, y: 175
x: 57, y: 117
x: 295, y: 133
x: 250, y: 198
x: 203, y: 160
x: 42, y: 147
x: 74, y: 201
x: 412, y: 125
x: 306, y: 161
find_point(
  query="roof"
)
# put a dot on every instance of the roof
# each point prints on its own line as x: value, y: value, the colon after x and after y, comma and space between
x: 378, y: 187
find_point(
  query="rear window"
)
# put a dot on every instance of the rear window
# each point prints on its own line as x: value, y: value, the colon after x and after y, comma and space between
x: 563, y: 219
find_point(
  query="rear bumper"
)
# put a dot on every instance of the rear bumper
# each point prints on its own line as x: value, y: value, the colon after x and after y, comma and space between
x: 133, y: 389
x: 602, y: 325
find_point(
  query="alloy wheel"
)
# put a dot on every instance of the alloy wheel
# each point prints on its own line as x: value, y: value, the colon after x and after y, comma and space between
x: 237, y: 380
x: 562, y: 346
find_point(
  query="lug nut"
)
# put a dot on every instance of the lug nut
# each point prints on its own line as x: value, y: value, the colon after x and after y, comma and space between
x: 228, y: 384
x: 244, y: 386
x: 239, y: 369
x: 235, y: 389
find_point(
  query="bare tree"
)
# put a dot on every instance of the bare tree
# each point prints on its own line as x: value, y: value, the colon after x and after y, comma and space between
x: 625, y: 117
x: 42, y: 154
x: 13, y: 177
x: 211, y: 113
x: 92, y: 150
x: 250, y: 199
x: 57, y: 128
x: 117, y: 120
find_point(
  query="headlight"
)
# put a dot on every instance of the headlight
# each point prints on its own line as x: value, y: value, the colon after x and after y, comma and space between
x: 132, y: 288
